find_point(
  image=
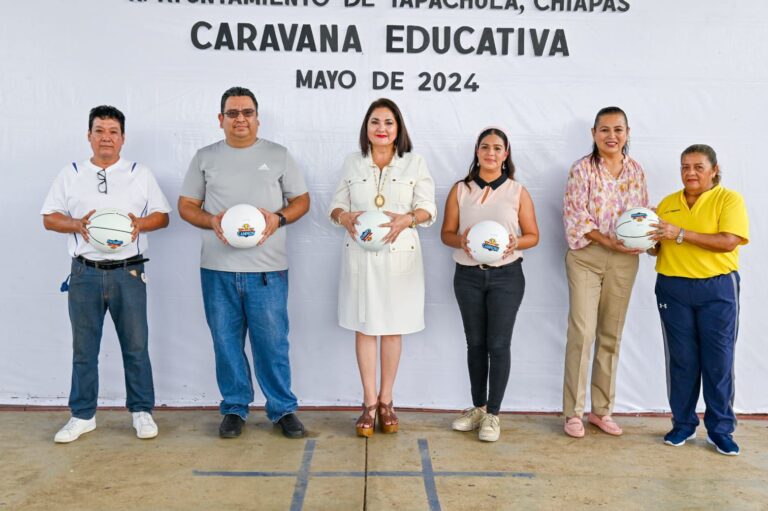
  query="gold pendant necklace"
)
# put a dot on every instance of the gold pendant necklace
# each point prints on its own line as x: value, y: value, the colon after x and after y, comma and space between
x: 379, y: 200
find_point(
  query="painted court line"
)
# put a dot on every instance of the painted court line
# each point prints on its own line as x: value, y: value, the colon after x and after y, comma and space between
x: 429, y: 476
x: 304, y: 474
x: 302, y: 480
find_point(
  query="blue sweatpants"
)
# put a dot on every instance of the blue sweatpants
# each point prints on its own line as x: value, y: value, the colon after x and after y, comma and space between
x: 699, y: 321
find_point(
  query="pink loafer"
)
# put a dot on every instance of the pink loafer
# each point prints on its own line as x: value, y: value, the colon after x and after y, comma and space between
x: 574, y: 427
x: 606, y: 423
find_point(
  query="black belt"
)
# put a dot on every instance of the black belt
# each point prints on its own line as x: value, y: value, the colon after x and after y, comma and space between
x: 485, y: 267
x: 111, y: 265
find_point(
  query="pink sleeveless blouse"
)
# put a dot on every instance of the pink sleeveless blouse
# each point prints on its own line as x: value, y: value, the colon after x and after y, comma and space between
x: 501, y: 205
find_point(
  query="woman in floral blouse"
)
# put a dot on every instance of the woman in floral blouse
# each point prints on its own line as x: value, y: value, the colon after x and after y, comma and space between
x: 601, y: 270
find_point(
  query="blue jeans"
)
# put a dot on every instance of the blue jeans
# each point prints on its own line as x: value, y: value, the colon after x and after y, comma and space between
x: 489, y: 300
x: 123, y: 293
x: 256, y: 302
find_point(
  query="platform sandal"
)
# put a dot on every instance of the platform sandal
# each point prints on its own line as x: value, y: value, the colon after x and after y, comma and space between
x: 388, y: 421
x: 367, y: 421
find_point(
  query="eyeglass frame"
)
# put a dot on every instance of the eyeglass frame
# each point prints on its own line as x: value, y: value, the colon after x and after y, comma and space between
x: 102, y: 175
x: 245, y: 112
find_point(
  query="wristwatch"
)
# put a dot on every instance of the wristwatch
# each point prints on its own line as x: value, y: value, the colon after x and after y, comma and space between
x: 283, y: 221
x: 680, y: 236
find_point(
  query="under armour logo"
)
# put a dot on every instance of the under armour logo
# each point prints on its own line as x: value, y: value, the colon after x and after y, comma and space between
x: 662, y: 306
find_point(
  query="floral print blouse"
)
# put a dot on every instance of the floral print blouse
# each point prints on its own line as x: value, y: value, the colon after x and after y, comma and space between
x: 594, y: 199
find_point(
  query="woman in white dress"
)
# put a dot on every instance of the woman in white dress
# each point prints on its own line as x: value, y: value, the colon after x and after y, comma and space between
x: 381, y: 294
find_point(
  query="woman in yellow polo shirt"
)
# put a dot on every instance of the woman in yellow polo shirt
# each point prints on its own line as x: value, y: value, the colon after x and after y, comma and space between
x: 697, y: 288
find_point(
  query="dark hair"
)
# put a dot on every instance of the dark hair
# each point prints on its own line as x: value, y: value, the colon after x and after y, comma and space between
x: 402, y: 141
x: 238, y: 91
x: 708, y: 152
x: 609, y: 110
x: 106, y: 112
x: 507, y: 167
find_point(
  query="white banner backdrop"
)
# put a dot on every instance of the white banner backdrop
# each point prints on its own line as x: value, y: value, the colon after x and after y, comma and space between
x: 688, y: 71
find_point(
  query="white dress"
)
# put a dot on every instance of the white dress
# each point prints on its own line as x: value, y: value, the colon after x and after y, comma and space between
x: 382, y: 293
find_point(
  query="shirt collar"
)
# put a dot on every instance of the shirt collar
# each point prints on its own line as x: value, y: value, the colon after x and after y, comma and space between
x: 394, y: 162
x: 118, y: 163
x: 493, y: 184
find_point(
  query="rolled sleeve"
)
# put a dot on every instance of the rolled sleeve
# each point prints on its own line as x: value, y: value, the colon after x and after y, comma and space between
x: 424, y: 192
x: 342, y: 198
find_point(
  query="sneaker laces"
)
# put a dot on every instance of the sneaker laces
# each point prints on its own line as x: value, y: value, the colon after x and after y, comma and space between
x: 143, y: 419
x: 490, y: 421
x: 71, y: 424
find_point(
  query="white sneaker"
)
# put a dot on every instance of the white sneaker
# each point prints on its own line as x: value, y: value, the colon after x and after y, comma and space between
x: 73, y: 429
x: 470, y: 419
x: 144, y: 424
x: 490, y: 428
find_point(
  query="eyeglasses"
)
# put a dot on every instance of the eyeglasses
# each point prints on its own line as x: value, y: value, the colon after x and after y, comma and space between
x: 234, y: 114
x: 102, y: 175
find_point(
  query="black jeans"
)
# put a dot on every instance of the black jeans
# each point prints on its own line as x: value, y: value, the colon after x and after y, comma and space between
x: 489, y: 300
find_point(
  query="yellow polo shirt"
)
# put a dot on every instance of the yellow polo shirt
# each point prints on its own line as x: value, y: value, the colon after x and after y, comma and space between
x: 717, y: 210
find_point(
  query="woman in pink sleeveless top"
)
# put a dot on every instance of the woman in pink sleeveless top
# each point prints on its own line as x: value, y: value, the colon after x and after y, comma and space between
x: 489, y: 295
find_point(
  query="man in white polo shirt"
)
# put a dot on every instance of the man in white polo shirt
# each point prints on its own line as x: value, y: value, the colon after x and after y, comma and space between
x: 246, y: 289
x: 99, y: 281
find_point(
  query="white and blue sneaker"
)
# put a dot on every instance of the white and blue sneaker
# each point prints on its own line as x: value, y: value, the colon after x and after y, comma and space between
x: 723, y: 443
x: 678, y: 437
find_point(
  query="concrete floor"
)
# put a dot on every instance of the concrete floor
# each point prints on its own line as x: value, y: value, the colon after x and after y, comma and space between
x: 424, y: 467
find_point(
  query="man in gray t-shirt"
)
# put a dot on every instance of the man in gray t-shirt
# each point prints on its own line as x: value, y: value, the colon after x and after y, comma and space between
x: 246, y: 289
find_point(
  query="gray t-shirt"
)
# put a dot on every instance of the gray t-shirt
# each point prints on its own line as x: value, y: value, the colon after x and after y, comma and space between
x: 263, y: 175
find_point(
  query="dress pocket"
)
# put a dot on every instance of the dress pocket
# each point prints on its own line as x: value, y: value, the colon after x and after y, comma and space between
x: 402, y: 190
x: 353, y: 256
x: 402, y: 253
x: 359, y: 191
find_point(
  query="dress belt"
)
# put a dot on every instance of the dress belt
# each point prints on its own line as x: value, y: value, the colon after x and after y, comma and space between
x: 111, y: 265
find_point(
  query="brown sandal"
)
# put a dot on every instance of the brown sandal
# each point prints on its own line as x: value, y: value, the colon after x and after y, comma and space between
x: 367, y: 422
x: 388, y: 421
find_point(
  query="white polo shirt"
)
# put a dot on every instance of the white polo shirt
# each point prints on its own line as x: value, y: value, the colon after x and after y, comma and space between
x: 131, y: 187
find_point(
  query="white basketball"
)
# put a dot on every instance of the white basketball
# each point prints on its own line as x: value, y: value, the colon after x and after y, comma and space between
x: 109, y: 230
x: 242, y: 225
x: 487, y: 241
x: 634, y: 227
x: 369, y: 234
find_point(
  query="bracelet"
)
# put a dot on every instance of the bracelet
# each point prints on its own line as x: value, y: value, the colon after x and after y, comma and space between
x: 414, y: 220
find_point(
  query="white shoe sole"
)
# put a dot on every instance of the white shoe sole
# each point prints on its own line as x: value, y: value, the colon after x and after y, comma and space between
x: 488, y: 438
x: 681, y: 443
x: 710, y: 442
x: 69, y: 440
x: 147, y: 436
x: 464, y: 428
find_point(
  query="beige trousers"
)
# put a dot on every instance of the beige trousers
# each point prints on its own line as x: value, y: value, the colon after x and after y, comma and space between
x: 600, y: 284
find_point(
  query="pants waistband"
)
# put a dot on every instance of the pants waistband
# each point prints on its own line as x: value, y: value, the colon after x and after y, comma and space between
x: 111, y: 265
x: 485, y: 267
